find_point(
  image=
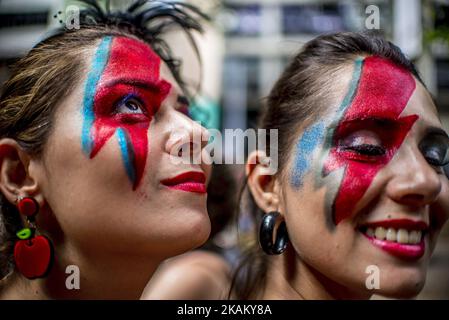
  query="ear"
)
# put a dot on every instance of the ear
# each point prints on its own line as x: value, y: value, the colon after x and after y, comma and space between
x: 17, y: 172
x: 262, y: 183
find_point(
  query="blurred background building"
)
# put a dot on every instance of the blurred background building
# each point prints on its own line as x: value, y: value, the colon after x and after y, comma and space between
x: 250, y: 42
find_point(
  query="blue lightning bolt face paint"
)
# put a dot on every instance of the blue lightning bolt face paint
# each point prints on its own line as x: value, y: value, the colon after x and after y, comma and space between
x: 305, y: 147
x: 99, y: 63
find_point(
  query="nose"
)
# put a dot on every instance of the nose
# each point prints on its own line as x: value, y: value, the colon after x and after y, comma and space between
x: 187, y: 139
x: 415, y: 182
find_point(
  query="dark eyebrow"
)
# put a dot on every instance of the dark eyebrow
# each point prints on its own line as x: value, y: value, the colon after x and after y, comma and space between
x: 183, y: 100
x: 151, y: 86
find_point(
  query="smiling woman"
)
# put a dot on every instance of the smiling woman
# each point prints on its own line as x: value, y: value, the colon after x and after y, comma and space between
x: 360, y: 182
x: 87, y: 124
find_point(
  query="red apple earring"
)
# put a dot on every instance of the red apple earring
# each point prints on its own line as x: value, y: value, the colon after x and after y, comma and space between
x: 33, y: 254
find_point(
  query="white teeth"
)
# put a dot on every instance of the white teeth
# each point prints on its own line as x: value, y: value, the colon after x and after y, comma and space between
x: 401, y: 236
x: 414, y: 237
x: 380, y: 233
x: 391, y: 234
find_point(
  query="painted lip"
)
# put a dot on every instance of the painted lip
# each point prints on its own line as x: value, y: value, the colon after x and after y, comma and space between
x: 400, y: 250
x: 191, y: 181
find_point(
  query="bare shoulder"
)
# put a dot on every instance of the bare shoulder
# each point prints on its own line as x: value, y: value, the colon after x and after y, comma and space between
x: 194, y: 275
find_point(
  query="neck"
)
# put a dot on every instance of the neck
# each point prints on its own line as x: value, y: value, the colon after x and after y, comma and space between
x: 100, y: 277
x: 291, y: 278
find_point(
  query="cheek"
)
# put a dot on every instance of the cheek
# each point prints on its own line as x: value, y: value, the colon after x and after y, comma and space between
x: 439, y: 211
x: 91, y: 198
x: 79, y: 182
x: 78, y: 187
x: 335, y: 253
x: 308, y: 225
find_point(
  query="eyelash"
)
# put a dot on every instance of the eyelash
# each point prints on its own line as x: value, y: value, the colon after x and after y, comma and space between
x: 366, y: 150
x: 127, y: 99
x: 377, y: 151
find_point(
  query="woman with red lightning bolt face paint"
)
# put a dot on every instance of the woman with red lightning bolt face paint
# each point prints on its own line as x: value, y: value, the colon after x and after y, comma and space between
x: 361, y: 194
x: 97, y: 164
x: 383, y: 91
x: 130, y: 70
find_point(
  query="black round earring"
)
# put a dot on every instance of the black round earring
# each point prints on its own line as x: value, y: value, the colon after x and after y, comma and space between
x: 266, y: 234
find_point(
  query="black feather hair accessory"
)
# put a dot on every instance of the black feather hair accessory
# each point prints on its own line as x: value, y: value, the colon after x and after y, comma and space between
x: 149, y: 20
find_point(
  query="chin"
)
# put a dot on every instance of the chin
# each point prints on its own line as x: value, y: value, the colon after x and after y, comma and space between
x: 193, y: 233
x: 199, y: 229
x: 403, y: 287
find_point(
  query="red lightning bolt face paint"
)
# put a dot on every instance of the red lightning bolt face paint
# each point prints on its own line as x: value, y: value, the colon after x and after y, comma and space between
x: 382, y: 94
x: 123, y: 70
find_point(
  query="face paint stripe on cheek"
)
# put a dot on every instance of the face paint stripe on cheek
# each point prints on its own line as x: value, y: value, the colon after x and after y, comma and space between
x: 305, y: 147
x: 99, y: 63
x: 127, y: 153
x: 383, y: 91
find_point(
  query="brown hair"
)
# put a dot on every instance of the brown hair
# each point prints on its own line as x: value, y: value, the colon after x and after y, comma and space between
x: 299, y: 96
x: 49, y: 72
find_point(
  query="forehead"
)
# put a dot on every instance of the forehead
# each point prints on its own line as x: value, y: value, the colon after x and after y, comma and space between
x: 381, y: 89
x: 376, y: 87
x: 131, y: 58
x: 421, y: 103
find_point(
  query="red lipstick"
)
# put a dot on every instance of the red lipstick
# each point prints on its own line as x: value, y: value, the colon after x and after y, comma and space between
x: 404, y: 251
x: 411, y: 250
x: 192, y: 181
